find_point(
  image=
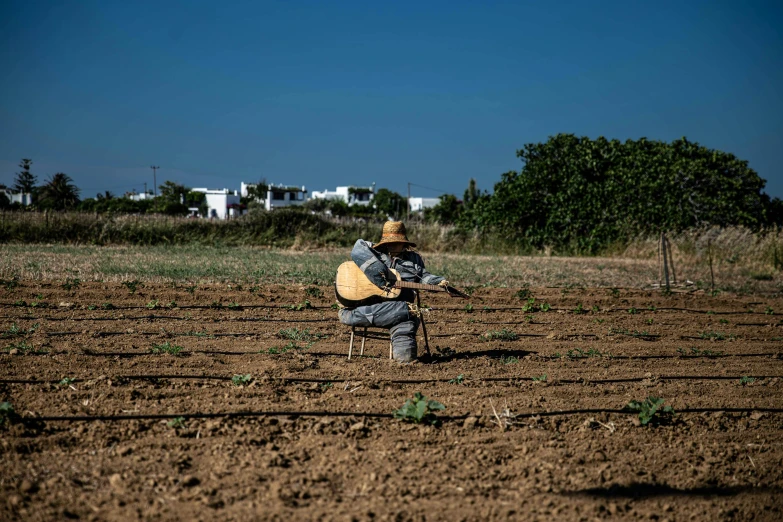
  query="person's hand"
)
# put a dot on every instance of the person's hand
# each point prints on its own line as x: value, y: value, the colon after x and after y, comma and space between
x: 443, y: 283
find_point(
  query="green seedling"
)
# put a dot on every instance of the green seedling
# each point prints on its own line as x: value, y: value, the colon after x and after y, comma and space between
x: 217, y: 305
x: 540, y: 378
x: 469, y: 290
x: 578, y: 353
x: 295, y: 334
x: 325, y: 386
x: 10, y: 284
x: 314, y: 292
x: 746, y: 380
x: 718, y: 336
x: 167, y: 347
x: 291, y: 346
x: 240, y: 380
x: 649, y: 321
x: 7, y: 414
x: 66, y: 381
x: 71, y: 284
x: 20, y: 302
x: 595, y: 309
x: 469, y: 308
x: 153, y: 305
x: 335, y: 306
x: 699, y: 353
x: 15, y: 331
x: 615, y: 292
x: 769, y: 311
x: 580, y: 309
x: 132, y: 286
x: 419, y: 410
x: 599, y: 321
x: 191, y: 289
x: 632, y: 311
x: 177, y: 422
x: 304, y: 305
x: 92, y: 307
x: 652, y: 308
x: 486, y: 309
x: 522, y: 294
x: 509, y: 360
x: 443, y: 353
x: 710, y: 312
x: 107, y: 306
x: 24, y: 348
x: 234, y: 306
x: 457, y: 380
x: 650, y: 410
x: 724, y: 321
x: 499, y: 335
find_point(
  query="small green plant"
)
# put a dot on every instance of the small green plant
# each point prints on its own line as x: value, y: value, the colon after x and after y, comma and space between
x: 419, y: 410
x: 325, y: 386
x: 71, y: 283
x: 545, y: 307
x: 66, y: 381
x: 509, y: 359
x: 580, y: 309
x: 176, y: 422
x: 92, y: 307
x: 652, y: 308
x: 132, y: 286
x: 724, y: 321
x: 10, y: 284
x: 695, y: 352
x: 632, y: 310
x: 216, y: 305
x: 710, y: 312
x: 499, y: 335
x: 107, y: 306
x: 595, y: 309
x: 191, y: 289
x: 295, y: 334
x: 240, y: 380
x: 746, y: 380
x: 523, y: 293
x: 24, y: 348
x: 650, y: 410
x: 469, y: 308
x: 487, y: 309
x: 7, y: 413
x: 443, y: 353
x: 718, y: 336
x: 314, y: 292
x: 540, y: 378
x: 615, y: 292
x: 20, y: 302
x: 15, y: 331
x: 335, y: 306
x: 167, y: 347
x: 153, y: 305
x: 649, y: 321
x: 304, y: 305
x: 234, y: 306
x: 469, y: 290
x: 769, y: 311
x: 457, y: 380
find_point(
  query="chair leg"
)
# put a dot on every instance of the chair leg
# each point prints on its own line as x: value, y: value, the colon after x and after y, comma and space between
x: 350, y: 345
x: 423, y: 326
x: 364, y: 338
x: 391, y: 352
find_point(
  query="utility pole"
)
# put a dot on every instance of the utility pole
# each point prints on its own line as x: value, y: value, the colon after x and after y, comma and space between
x: 145, y: 189
x: 155, y: 179
x: 409, y: 202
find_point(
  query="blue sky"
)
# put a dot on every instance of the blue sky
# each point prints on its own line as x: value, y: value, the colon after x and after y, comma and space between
x: 336, y: 93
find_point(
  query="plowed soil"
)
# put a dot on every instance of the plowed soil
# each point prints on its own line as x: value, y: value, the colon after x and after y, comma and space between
x: 556, y: 379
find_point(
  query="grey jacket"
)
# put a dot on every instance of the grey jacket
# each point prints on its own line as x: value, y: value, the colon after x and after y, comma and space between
x: 375, y: 266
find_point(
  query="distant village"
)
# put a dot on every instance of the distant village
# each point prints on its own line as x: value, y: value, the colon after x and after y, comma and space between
x: 226, y: 204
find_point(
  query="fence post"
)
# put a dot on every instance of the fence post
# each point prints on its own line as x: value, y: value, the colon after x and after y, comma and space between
x: 665, y: 261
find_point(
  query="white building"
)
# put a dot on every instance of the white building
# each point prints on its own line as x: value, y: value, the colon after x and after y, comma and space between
x: 23, y: 198
x: 419, y: 204
x: 135, y: 196
x: 221, y: 203
x: 350, y: 195
x: 278, y: 196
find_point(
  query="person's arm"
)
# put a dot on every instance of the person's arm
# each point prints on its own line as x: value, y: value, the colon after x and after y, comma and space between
x: 369, y: 261
x: 426, y: 277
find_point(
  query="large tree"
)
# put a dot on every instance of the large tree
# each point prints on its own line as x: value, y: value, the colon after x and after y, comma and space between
x: 390, y: 203
x: 25, y: 180
x: 58, y: 193
x: 584, y: 194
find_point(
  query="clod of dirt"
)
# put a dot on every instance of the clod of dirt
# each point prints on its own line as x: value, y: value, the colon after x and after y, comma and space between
x: 359, y: 426
x: 470, y: 422
x: 115, y: 481
x: 189, y: 481
x: 27, y: 487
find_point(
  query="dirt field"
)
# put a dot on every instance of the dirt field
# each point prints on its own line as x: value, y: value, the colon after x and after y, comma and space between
x: 569, y: 454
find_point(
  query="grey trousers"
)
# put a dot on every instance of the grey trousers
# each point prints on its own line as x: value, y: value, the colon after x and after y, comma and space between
x: 393, y: 315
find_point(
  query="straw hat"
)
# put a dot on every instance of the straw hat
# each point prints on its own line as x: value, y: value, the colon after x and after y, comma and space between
x: 394, y: 232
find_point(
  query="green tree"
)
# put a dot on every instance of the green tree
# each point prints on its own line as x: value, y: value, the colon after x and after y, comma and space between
x: 4, y: 201
x: 25, y: 180
x: 448, y: 210
x: 59, y: 193
x: 390, y: 203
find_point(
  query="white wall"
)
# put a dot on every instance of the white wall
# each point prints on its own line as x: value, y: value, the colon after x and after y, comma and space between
x: 284, y: 196
x: 419, y: 204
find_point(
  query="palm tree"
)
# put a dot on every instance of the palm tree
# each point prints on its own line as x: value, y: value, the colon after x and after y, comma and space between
x: 59, y: 193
